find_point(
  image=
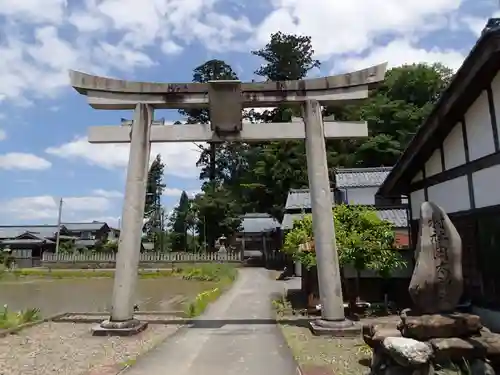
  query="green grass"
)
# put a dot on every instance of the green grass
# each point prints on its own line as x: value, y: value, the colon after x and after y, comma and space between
x: 201, y: 272
x: 9, y: 319
x: 201, y: 302
x: 42, y: 273
x: 207, y: 272
x: 222, y: 274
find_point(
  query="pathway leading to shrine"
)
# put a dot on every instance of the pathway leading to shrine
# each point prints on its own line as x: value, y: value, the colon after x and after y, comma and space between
x: 235, y: 336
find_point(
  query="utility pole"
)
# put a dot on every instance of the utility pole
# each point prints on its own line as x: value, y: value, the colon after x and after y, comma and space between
x: 58, y: 235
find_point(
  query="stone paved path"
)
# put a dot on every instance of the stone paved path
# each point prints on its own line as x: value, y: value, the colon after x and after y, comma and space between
x: 235, y: 336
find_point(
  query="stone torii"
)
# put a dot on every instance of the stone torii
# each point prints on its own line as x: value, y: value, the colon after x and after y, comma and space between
x: 226, y: 100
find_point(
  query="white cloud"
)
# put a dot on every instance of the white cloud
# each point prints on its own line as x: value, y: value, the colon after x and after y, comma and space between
x: 24, y: 161
x: 179, y: 158
x: 35, y: 11
x: 171, y: 48
x: 400, y: 52
x: 3, y: 135
x: 102, y: 36
x: 110, y: 35
x: 477, y: 24
x: 107, y: 193
x: 340, y: 27
x: 46, y: 207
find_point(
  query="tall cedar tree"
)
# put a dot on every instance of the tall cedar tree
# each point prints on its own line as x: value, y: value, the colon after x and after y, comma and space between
x: 152, y: 210
x: 280, y: 166
x: 179, y: 223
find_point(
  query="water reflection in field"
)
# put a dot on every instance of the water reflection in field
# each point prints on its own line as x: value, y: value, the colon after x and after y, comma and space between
x: 85, y: 295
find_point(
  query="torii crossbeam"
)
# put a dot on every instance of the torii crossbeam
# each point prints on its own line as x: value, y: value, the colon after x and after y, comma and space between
x: 226, y: 100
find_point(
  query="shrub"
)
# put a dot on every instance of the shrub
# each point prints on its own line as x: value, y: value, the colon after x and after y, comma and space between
x: 10, y: 319
x: 201, y: 302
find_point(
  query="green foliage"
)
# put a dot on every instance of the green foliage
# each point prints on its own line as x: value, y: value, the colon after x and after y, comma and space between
x: 181, y: 221
x: 10, y: 319
x: 207, y: 272
x: 287, y: 57
x: 153, y: 212
x: 110, y: 247
x: 301, y: 233
x: 201, y: 302
x: 67, y: 247
x: 6, y: 260
x: 363, y: 240
x: 217, y: 211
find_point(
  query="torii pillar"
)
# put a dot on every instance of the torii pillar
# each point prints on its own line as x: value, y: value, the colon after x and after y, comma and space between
x: 226, y: 100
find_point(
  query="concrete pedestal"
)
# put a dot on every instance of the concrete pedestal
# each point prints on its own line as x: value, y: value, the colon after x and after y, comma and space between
x: 340, y: 328
x: 127, y: 328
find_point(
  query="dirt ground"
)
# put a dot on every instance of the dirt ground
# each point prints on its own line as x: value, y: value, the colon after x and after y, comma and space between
x: 321, y: 355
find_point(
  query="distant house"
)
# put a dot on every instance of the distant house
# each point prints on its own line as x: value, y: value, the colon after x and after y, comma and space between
x: 41, y: 238
x: 257, y: 236
x: 354, y: 186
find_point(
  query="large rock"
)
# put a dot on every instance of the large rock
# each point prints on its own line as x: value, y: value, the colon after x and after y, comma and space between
x: 374, y: 334
x: 425, y: 327
x: 407, y: 352
x: 457, y: 350
x: 437, y: 281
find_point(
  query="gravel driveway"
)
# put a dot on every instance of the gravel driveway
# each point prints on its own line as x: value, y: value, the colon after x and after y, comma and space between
x: 70, y: 349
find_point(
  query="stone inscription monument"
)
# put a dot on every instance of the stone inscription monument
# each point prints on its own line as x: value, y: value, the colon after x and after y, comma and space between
x: 434, y: 333
x: 437, y: 281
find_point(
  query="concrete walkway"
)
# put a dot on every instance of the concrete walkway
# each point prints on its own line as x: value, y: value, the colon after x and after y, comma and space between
x: 235, y: 336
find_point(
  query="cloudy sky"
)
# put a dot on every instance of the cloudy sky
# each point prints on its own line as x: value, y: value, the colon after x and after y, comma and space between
x: 44, y: 154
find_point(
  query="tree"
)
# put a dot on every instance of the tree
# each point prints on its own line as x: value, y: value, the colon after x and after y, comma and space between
x: 287, y: 57
x: 216, y: 202
x: 364, y: 241
x: 219, y: 162
x: 179, y: 223
x: 152, y: 209
x: 394, y: 112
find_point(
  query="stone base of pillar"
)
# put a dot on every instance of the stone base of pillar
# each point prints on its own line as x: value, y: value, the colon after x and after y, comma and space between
x: 337, y: 328
x: 127, y: 328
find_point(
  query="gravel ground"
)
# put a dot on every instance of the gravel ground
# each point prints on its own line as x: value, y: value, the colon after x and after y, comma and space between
x: 70, y: 349
x: 327, y: 355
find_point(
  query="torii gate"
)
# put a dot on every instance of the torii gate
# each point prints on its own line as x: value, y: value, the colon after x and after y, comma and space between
x: 225, y: 99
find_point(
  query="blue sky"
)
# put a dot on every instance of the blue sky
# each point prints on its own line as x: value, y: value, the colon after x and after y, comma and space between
x: 44, y: 154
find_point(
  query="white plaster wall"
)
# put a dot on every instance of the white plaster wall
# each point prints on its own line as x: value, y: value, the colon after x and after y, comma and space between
x: 453, y: 147
x: 479, y: 131
x: 365, y: 195
x: 418, y: 176
x: 417, y: 198
x: 486, y: 184
x: 433, y: 165
x: 495, y: 87
x: 452, y: 195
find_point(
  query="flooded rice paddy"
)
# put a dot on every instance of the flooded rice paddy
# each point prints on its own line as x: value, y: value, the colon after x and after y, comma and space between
x: 94, y: 295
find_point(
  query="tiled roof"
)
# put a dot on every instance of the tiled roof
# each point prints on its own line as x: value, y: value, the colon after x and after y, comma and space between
x: 397, y: 217
x: 361, y: 177
x: 258, y: 222
x: 15, y: 231
x: 299, y: 199
x: 288, y: 220
x: 93, y: 226
x: 12, y: 231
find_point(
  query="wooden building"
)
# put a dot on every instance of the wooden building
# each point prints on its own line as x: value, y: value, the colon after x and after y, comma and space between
x: 454, y: 161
